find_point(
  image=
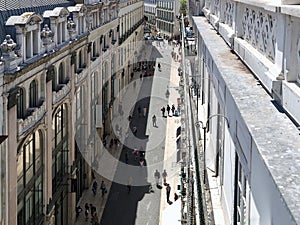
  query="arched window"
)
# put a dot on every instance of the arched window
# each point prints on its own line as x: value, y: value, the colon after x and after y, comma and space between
x: 94, y: 49
x: 33, y: 94
x: 61, y: 73
x: 30, y: 180
x: 21, y: 104
x: 80, y: 62
x: 60, y: 147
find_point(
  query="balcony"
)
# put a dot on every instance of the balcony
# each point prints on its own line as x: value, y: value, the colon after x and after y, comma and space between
x: 36, y: 114
x: 59, y: 95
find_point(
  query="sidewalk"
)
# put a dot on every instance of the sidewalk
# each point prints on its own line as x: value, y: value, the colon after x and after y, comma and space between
x: 171, y: 213
x: 170, y: 150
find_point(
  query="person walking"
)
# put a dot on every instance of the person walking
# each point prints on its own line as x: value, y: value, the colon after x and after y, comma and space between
x: 168, y: 191
x: 134, y: 130
x: 175, y: 196
x: 163, y: 110
x: 168, y: 109
x: 145, y: 111
x: 94, y: 187
x: 86, y: 211
x: 173, y: 110
x: 136, y: 154
x: 154, y: 121
x: 157, y: 177
x: 164, y: 176
x: 93, y: 211
x: 78, y: 211
x: 103, y: 188
x: 95, y: 219
x: 159, y: 67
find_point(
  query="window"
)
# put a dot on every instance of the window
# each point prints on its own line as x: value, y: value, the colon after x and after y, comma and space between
x: 80, y: 61
x: 33, y: 94
x: 29, y: 180
x: 54, y: 81
x: 241, y: 195
x: 61, y: 73
x: 21, y: 104
x: 94, y: 49
x: 59, y: 147
x: 79, y: 103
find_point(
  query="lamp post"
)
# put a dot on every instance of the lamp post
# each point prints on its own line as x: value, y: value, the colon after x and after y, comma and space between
x: 204, y: 140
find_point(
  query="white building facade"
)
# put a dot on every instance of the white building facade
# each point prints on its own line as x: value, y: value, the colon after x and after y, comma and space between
x: 167, y: 17
x: 247, y: 74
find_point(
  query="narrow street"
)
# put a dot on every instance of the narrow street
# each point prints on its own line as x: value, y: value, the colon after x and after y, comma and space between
x: 144, y: 202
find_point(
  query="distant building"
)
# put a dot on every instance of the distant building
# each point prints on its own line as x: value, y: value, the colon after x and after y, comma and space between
x: 167, y: 14
x: 150, y: 14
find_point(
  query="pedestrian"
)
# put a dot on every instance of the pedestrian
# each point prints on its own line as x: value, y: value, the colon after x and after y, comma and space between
x: 164, y: 176
x: 86, y: 212
x: 142, y: 162
x: 129, y: 184
x: 78, y: 211
x: 163, y: 110
x: 141, y: 77
x: 159, y: 67
x: 168, y: 191
x: 103, y: 188
x: 157, y: 177
x: 95, y: 219
x: 154, y: 121
x: 173, y: 109
x: 94, y: 187
x: 134, y: 130
x: 175, y: 196
x: 145, y: 111
x: 139, y: 110
x: 141, y: 151
x: 136, y: 154
x: 168, y: 109
x: 93, y: 211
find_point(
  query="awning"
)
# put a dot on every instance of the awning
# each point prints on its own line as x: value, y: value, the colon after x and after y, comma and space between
x: 172, y: 214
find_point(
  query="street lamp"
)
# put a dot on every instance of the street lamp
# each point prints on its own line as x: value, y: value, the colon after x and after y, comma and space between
x: 204, y: 140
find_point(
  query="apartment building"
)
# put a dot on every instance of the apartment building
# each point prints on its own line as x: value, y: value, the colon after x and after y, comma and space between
x: 168, y: 17
x: 62, y: 66
x: 150, y: 14
x: 247, y: 75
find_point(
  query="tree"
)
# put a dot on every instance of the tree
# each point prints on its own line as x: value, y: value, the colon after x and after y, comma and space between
x: 183, y: 8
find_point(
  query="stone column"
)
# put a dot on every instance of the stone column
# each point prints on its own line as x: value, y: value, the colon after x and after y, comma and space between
x: 11, y: 166
x: 48, y: 150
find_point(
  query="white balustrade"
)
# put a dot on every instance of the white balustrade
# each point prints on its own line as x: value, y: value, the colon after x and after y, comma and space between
x: 59, y: 95
x: 30, y: 121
